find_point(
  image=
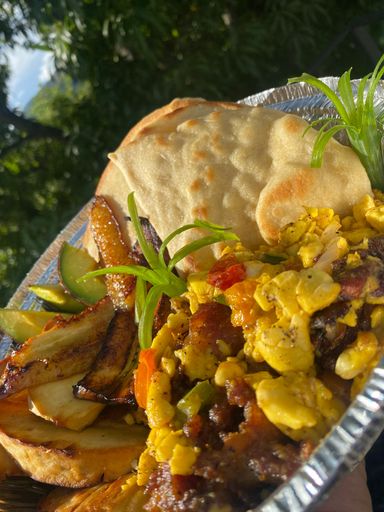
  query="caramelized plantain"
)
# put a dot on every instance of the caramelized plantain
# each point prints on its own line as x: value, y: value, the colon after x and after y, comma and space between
x: 54, y: 401
x: 122, y: 495
x: 124, y: 392
x: 103, y: 377
x: 69, y: 347
x: 8, y: 465
x: 113, y: 251
x: 59, y: 456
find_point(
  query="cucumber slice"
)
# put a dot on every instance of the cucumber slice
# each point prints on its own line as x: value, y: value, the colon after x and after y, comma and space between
x: 21, y: 325
x: 74, y: 263
x: 56, y: 298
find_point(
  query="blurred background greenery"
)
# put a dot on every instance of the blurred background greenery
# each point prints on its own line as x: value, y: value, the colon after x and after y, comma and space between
x: 116, y: 60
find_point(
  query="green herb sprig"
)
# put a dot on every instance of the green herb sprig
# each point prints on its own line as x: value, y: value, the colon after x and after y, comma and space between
x: 160, y: 274
x: 358, y: 116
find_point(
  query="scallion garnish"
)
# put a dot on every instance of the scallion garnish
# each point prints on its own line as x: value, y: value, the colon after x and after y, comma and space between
x: 358, y: 116
x: 160, y: 274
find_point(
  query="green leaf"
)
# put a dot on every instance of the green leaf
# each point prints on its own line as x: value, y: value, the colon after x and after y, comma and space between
x: 159, y: 275
x: 170, y: 237
x: 197, y: 223
x: 358, y: 116
x: 140, y: 297
x: 325, y: 89
x: 321, y: 141
x: 200, y: 223
x: 345, y: 89
x: 375, y: 79
x: 273, y: 259
x: 149, y: 275
x: 148, y: 251
x: 199, y: 244
x: 146, y: 319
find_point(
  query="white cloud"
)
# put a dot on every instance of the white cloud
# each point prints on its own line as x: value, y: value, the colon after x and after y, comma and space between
x: 28, y: 70
x: 46, y: 69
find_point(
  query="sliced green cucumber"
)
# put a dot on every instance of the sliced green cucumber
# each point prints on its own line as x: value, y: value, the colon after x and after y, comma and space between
x: 74, y: 263
x: 56, y: 298
x: 21, y: 325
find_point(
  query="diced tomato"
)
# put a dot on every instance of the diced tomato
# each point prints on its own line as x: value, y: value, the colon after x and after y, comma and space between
x: 146, y: 368
x: 226, y: 272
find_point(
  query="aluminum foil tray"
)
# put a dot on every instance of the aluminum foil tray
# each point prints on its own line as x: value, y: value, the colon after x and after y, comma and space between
x: 349, y: 440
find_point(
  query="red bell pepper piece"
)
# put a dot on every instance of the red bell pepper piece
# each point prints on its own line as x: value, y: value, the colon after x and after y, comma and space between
x: 145, y: 369
x: 226, y: 272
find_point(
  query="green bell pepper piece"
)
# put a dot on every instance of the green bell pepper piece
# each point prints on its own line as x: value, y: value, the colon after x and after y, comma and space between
x: 199, y: 396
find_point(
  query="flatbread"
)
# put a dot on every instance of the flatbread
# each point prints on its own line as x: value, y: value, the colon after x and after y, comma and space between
x: 244, y: 167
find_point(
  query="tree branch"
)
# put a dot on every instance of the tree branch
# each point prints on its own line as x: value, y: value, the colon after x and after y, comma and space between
x: 23, y: 140
x: 34, y: 129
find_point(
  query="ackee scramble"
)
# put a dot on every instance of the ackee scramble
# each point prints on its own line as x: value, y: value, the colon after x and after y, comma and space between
x: 259, y: 358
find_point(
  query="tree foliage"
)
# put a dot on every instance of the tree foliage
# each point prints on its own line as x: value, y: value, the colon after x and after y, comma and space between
x: 117, y: 60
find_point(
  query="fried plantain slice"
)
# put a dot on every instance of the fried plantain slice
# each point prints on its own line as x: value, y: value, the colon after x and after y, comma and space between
x: 102, y: 379
x: 59, y: 456
x: 69, y: 347
x: 54, y: 401
x: 124, y: 392
x: 8, y: 465
x: 113, y: 251
x: 122, y: 495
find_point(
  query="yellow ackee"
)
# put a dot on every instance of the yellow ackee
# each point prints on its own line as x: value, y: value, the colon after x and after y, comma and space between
x: 360, y: 379
x: 375, y: 217
x: 159, y: 410
x: 183, y: 459
x: 167, y: 445
x: 281, y: 292
x: 316, y: 290
x: 286, y: 345
x: 228, y: 370
x: 197, y: 364
x: 377, y: 319
x: 361, y: 208
x: 292, y: 233
x: 355, y: 359
x: 146, y: 465
x: 291, y: 291
x: 166, y: 338
x: 310, y: 252
x: 350, y: 318
x: 285, y: 286
x: 299, y: 405
x: 199, y: 291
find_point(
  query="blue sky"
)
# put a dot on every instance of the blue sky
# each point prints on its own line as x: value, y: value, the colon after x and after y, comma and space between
x: 29, y: 69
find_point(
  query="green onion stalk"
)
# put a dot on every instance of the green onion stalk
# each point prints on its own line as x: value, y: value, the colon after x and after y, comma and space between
x: 358, y: 116
x: 159, y: 278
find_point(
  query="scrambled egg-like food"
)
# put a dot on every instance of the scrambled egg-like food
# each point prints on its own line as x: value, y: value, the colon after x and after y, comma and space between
x: 309, y: 307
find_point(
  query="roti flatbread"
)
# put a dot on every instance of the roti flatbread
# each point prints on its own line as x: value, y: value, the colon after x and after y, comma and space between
x: 244, y: 167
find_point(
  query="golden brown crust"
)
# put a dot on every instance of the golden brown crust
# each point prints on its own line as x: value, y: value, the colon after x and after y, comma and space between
x: 248, y: 169
x: 153, y: 117
x: 66, y: 349
x: 112, y: 185
x: 58, y: 456
x: 8, y: 466
x: 118, y: 496
x: 113, y: 251
x: 111, y: 182
x: 296, y: 186
x: 168, y: 112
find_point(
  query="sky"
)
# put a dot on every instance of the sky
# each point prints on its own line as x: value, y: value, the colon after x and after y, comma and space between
x: 29, y: 69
